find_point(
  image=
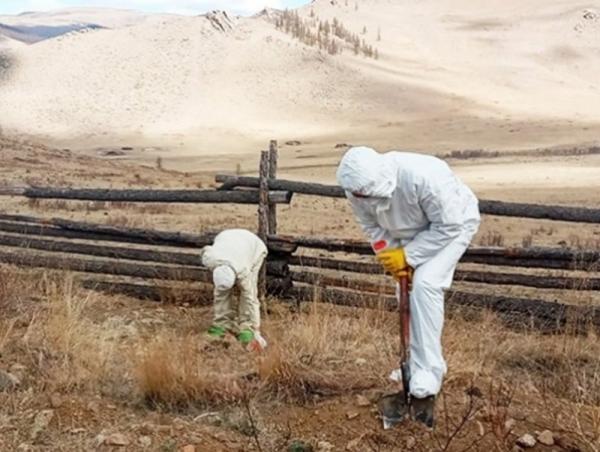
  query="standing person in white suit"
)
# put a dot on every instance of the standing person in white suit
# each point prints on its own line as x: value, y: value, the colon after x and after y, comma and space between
x: 235, y: 258
x: 420, y: 219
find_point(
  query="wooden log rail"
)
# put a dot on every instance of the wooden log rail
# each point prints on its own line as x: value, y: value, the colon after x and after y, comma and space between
x: 537, y: 257
x: 550, y: 258
x: 159, y: 293
x: 510, y: 209
x: 56, y: 227
x: 155, y: 196
x: 374, y: 268
x: 362, y: 247
x: 146, y: 270
x: 494, y: 278
x: 517, y: 312
x: 279, y: 267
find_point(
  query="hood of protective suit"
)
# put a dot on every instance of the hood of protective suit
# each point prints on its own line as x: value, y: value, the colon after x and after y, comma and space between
x: 224, y: 277
x: 366, y: 172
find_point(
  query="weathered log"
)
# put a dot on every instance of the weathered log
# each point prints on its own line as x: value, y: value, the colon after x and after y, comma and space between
x: 168, y: 294
x: 108, y: 267
x: 511, y: 209
x: 323, y: 243
x: 93, y: 231
x: 115, y: 267
x: 50, y: 231
x: 589, y: 256
x: 336, y: 264
x: 305, y: 188
x: 362, y: 247
x: 155, y: 196
x: 113, y: 252
x: 555, y: 264
x: 374, y: 268
x: 517, y: 312
x: 512, y: 279
x: 517, y: 279
x: 344, y: 282
x: 273, y: 160
x: 56, y: 227
x: 263, y: 217
x: 171, y: 294
x: 548, y: 212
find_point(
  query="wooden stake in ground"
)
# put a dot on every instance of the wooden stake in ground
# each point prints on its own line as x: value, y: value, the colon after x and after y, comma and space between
x: 263, y: 215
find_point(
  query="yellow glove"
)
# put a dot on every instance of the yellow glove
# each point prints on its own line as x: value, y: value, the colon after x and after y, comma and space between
x: 394, y: 262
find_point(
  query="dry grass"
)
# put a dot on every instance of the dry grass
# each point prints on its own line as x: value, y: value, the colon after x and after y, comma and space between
x: 318, y: 352
x: 323, y: 352
x: 171, y: 372
x: 492, y: 238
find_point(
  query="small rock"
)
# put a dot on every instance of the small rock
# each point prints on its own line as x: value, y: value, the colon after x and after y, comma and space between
x: 354, y: 444
x: 567, y: 444
x: 324, y: 446
x: 145, y: 441
x: 509, y: 424
x: 481, y: 429
x: 100, y: 439
x: 360, y: 361
x: 55, y: 401
x: 189, y: 448
x: 77, y: 431
x: 8, y: 381
x: 41, y: 423
x: 410, y: 442
x: 361, y: 400
x: 526, y: 441
x: 116, y: 439
x: 546, y: 438
x: 352, y: 415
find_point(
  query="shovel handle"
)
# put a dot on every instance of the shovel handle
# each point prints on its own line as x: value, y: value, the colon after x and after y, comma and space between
x: 404, y: 310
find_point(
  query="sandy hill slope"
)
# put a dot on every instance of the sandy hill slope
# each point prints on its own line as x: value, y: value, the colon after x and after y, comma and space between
x: 447, y: 72
x: 32, y: 27
x: 104, y: 17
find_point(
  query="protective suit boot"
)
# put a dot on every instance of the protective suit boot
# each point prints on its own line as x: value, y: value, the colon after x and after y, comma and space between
x: 423, y: 410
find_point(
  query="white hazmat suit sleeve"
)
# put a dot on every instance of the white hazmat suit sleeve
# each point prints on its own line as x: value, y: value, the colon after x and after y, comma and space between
x: 368, y: 223
x: 444, y: 207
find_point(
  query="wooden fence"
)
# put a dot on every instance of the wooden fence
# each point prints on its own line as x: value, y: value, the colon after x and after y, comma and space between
x: 157, y: 256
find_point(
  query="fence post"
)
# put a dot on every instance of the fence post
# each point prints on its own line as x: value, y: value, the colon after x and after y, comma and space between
x: 263, y: 216
x: 273, y: 157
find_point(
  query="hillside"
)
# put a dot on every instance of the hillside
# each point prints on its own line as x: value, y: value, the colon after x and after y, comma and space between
x: 500, y: 75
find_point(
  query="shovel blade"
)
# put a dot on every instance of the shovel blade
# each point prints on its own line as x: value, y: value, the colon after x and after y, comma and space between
x: 393, y: 409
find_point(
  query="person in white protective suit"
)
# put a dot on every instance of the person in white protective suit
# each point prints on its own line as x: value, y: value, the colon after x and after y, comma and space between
x: 420, y: 219
x: 236, y: 258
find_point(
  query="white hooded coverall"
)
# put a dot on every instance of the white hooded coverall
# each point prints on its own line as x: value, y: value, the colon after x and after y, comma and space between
x: 244, y: 253
x: 416, y: 202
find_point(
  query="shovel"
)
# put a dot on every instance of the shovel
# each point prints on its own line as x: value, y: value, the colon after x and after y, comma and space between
x: 394, y: 408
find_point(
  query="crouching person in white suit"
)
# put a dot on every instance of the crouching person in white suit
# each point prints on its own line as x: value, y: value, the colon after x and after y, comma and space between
x: 235, y: 259
x: 420, y: 219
